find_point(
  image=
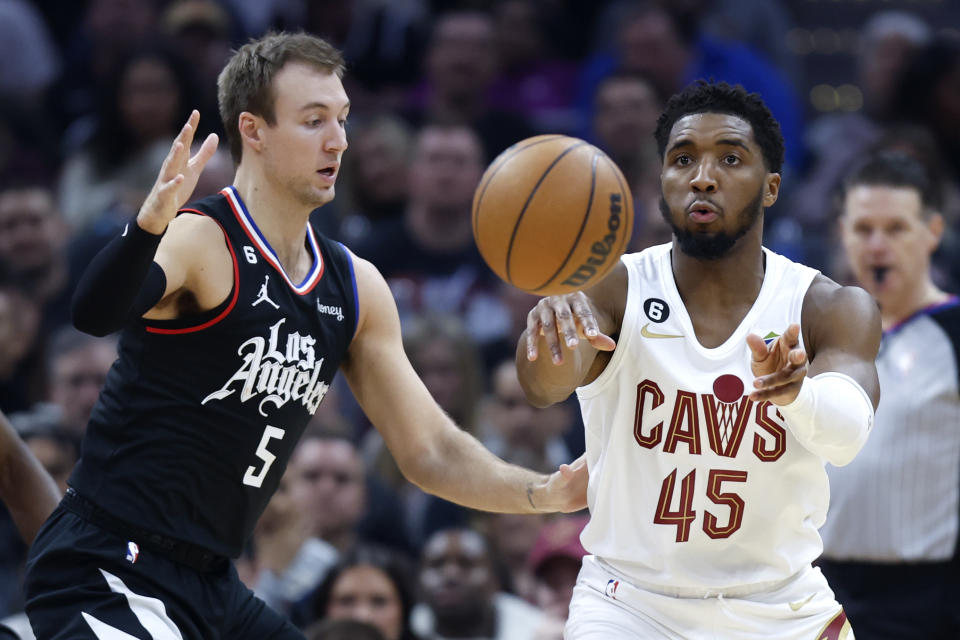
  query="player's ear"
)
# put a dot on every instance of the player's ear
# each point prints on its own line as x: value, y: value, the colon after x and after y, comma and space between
x: 935, y: 226
x: 771, y: 189
x: 249, y: 126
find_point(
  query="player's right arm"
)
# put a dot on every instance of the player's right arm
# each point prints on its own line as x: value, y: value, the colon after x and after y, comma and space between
x: 26, y: 488
x: 574, y: 330
x: 155, y: 257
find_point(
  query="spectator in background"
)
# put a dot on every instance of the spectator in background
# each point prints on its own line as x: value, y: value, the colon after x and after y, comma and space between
x: 626, y: 107
x: 555, y: 561
x: 374, y: 178
x: 446, y: 359
x: 520, y: 433
x: 107, y: 32
x: 33, y: 238
x: 342, y: 630
x: 460, y: 68
x: 461, y: 595
x: 42, y: 430
x: 891, y: 537
x: 333, y: 506
x: 668, y: 45
x: 141, y: 108
x: 77, y: 366
x: 30, y: 58
x: 532, y: 79
x: 202, y: 31
x: 929, y: 94
x: 22, y: 376
x: 836, y: 141
x: 511, y: 537
x: 383, y: 42
x: 428, y: 256
x: 370, y: 585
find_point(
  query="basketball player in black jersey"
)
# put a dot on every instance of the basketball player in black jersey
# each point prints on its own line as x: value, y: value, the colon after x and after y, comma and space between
x: 236, y: 315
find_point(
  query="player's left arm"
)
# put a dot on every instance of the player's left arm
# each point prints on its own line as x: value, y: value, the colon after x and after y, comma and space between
x: 827, y: 391
x: 26, y: 488
x: 430, y: 449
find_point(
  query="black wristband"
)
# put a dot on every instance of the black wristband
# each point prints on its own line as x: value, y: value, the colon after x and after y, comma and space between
x: 113, y: 281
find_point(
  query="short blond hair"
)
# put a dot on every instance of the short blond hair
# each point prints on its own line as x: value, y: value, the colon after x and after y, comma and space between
x: 246, y: 82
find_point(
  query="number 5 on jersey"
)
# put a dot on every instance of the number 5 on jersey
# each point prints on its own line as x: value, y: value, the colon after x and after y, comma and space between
x: 252, y: 477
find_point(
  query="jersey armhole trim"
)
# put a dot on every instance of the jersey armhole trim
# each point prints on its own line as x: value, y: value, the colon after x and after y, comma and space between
x: 356, y: 296
x: 233, y: 300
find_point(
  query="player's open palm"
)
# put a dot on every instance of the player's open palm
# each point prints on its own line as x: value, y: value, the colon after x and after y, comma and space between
x: 177, y: 178
x: 779, y: 367
x: 564, y: 319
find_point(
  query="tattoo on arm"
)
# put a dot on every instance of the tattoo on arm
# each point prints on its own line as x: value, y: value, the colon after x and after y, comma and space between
x: 530, y: 496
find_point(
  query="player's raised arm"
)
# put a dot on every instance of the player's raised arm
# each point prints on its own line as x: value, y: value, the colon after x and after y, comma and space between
x: 429, y: 448
x: 124, y: 276
x: 565, y: 335
x: 27, y: 490
x: 828, y: 392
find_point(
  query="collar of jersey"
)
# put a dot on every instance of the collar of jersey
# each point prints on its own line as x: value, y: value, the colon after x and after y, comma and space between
x: 951, y: 301
x: 259, y: 241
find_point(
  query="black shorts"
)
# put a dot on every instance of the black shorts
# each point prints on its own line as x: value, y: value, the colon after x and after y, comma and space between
x: 84, y: 582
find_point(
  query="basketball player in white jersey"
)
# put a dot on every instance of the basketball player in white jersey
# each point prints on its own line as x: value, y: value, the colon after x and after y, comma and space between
x: 716, y: 379
x: 892, y: 538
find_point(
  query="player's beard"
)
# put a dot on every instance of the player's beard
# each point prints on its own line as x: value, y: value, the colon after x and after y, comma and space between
x: 712, y: 246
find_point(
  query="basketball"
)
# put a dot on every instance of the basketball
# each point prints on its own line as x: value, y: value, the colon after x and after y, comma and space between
x: 552, y: 214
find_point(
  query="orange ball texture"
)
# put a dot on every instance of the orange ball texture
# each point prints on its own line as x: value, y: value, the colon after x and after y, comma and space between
x: 552, y: 214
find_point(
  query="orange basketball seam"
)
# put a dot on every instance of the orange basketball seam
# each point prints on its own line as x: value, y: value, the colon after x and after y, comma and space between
x: 583, y: 224
x: 526, y: 204
x: 493, y: 171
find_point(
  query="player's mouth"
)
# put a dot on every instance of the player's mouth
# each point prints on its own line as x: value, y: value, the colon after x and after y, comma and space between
x: 879, y: 273
x: 329, y: 172
x: 703, y: 211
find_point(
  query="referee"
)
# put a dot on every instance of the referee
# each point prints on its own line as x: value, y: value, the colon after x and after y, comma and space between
x: 890, y: 541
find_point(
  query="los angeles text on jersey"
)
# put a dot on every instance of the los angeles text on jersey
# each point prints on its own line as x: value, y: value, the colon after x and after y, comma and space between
x: 279, y: 375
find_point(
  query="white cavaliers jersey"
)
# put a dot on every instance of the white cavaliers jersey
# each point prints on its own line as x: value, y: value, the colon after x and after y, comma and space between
x: 692, y: 484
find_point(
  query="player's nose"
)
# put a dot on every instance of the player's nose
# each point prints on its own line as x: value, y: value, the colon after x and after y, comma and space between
x: 704, y: 178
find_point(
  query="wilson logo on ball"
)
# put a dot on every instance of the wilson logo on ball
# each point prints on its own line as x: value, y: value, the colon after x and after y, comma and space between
x: 600, y: 250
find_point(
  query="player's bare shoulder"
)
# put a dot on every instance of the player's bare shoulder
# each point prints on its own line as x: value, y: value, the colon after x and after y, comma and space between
x: 198, y: 263
x: 609, y: 298
x: 832, y: 308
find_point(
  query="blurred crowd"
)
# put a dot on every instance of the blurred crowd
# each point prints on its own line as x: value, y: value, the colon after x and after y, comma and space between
x: 92, y: 93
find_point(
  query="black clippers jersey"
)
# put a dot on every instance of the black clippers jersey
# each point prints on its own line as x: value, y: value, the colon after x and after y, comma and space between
x: 199, y: 416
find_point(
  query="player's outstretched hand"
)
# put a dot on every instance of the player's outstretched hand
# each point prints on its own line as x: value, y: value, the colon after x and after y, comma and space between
x: 566, y: 319
x: 177, y: 179
x: 566, y: 489
x: 779, y: 368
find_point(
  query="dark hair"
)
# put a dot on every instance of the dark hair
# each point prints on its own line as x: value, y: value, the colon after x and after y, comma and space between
x: 916, y: 94
x: 397, y: 569
x: 246, y: 83
x: 721, y: 97
x: 112, y: 140
x: 897, y: 170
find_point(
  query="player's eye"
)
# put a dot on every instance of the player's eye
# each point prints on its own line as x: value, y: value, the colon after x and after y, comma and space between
x: 731, y: 159
x: 683, y: 160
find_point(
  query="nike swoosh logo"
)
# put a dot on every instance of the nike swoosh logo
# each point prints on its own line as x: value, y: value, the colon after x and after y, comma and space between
x: 125, y: 228
x: 796, y: 606
x: 646, y: 333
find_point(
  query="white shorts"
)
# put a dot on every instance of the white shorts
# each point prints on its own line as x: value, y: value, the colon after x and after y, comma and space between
x: 606, y: 606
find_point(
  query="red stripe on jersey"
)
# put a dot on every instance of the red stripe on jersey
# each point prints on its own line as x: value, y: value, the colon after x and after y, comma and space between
x: 233, y: 301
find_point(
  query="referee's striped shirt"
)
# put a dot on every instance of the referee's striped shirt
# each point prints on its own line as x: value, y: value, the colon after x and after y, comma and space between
x: 899, y: 500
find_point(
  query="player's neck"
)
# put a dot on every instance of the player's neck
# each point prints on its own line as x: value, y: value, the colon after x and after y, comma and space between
x: 736, y: 277
x: 896, y: 311
x: 280, y: 217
